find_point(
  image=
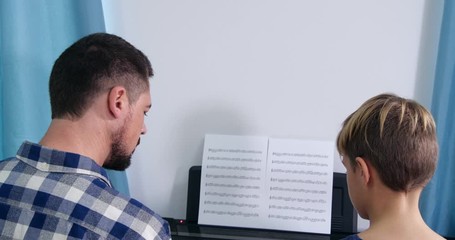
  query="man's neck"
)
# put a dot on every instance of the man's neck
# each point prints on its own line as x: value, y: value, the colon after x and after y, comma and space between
x: 77, y: 137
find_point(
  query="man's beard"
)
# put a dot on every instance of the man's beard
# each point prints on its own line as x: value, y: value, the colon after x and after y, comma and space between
x: 119, y: 159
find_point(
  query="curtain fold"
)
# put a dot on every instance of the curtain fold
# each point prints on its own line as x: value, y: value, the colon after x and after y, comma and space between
x: 32, y: 36
x: 437, y: 202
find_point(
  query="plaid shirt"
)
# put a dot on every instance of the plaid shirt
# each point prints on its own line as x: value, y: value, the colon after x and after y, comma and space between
x: 49, y: 194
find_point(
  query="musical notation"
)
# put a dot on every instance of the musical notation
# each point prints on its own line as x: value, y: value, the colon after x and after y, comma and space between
x: 227, y: 185
x: 299, y: 190
x: 302, y: 172
x: 232, y: 195
x: 298, y: 218
x: 234, y: 168
x: 218, y: 176
x: 306, y: 155
x: 224, y: 150
x: 305, y: 181
x: 232, y: 204
x: 234, y: 159
x: 302, y: 209
x: 299, y: 200
x: 231, y: 213
x: 301, y: 163
x: 285, y: 184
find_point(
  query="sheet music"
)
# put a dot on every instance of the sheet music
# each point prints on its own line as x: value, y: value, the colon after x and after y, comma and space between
x: 299, y: 180
x: 257, y: 182
x: 232, y: 180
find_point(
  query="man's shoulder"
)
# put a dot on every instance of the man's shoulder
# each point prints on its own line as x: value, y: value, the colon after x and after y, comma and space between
x: 88, y: 201
x: 131, y: 213
x: 145, y: 220
x: 13, y: 166
x: 8, y: 161
x: 129, y: 204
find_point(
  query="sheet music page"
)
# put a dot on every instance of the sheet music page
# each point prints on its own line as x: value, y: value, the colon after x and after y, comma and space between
x: 257, y: 182
x: 300, y: 180
x: 233, y: 180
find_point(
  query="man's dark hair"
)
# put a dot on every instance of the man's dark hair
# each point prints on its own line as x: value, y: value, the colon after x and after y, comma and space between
x: 93, y: 65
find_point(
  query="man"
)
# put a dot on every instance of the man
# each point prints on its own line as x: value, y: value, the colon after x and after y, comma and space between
x: 390, y: 151
x: 57, y: 189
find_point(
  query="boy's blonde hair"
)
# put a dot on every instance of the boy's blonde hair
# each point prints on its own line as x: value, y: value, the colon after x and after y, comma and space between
x: 397, y: 136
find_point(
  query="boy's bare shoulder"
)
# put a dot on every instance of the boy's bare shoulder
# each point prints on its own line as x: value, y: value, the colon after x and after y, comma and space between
x: 423, y: 233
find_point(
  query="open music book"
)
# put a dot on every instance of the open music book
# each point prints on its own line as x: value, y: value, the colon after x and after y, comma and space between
x: 268, y: 183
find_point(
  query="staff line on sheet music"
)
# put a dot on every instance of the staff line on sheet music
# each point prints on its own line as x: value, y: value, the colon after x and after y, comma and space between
x: 307, y: 155
x: 307, y: 164
x: 234, y: 159
x: 232, y: 195
x: 219, y: 176
x: 300, y: 190
x: 301, y: 172
x: 306, y: 219
x: 231, y: 213
x: 300, y: 200
x: 235, y: 168
x: 232, y: 186
x: 307, y: 210
x: 222, y: 150
x: 308, y: 181
x: 232, y: 204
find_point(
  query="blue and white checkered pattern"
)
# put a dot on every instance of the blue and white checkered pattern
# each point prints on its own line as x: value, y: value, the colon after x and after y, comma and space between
x: 49, y: 194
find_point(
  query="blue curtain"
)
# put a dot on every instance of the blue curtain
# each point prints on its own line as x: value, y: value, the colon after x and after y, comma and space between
x: 32, y: 36
x: 438, y: 199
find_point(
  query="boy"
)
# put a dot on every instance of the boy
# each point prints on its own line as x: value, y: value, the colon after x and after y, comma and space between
x: 390, y: 151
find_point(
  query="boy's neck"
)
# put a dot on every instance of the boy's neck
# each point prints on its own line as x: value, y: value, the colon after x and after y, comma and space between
x: 395, y: 215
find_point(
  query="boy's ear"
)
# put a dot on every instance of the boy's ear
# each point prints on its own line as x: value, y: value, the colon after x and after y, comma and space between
x: 117, y: 101
x: 364, y: 169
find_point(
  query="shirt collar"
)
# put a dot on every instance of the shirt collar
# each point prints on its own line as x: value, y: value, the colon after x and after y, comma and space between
x: 51, y: 160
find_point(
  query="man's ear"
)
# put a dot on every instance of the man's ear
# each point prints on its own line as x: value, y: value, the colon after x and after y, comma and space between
x: 117, y: 101
x: 364, y: 169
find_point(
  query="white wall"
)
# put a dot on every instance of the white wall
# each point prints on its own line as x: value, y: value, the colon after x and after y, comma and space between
x: 282, y: 68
